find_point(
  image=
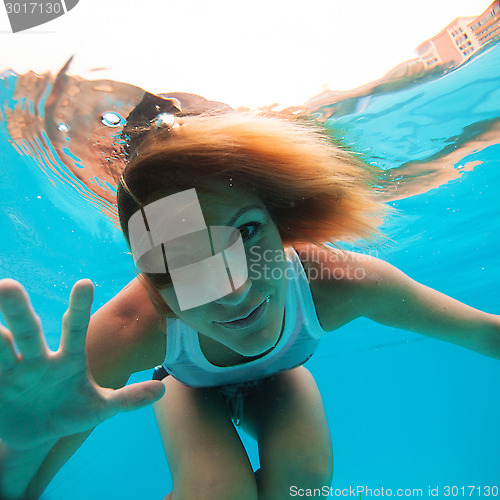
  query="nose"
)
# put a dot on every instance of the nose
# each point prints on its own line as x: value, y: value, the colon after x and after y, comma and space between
x: 237, y: 296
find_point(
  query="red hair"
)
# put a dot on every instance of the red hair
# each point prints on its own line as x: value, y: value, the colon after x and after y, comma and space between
x: 314, y: 191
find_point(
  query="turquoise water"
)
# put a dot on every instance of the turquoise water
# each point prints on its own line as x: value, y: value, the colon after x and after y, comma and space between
x: 404, y: 411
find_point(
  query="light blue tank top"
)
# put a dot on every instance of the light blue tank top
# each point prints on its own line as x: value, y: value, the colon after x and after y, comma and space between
x: 301, y: 334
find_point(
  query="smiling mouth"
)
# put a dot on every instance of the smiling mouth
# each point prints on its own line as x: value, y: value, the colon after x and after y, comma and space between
x: 248, y: 320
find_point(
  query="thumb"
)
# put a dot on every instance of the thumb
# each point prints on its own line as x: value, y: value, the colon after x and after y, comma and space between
x: 135, y: 396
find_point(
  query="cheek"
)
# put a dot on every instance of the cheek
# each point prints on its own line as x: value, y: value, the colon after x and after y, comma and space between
x: 168, y: 295
x: 267, y: 263
x: 197, y: 317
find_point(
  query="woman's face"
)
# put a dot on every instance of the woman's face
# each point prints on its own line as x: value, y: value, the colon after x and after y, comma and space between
x: 248, y: 320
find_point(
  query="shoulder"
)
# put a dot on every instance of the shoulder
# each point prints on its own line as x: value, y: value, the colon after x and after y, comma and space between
x: 329, y: 265
x: 341, y: 282
x: 124, y: 337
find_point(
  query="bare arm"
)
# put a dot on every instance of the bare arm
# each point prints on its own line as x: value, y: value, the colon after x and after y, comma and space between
x: 370, y: 287
x: 116, y: 347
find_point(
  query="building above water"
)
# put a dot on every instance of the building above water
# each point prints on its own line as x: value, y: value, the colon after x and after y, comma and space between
x: 461, y: 39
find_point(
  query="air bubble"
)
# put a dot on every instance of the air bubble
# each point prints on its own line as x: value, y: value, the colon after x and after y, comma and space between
x: 111, y: 119
x: 62, y: 127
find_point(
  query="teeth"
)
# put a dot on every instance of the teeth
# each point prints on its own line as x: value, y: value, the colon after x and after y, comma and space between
x: 247, y: 319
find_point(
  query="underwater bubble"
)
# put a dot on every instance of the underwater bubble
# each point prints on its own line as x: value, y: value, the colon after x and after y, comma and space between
x: 62, y: 127
x: 165, y: 120
x: 111, y: 119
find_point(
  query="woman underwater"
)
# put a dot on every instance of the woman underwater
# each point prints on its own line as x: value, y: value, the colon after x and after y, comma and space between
x: 225, y: 215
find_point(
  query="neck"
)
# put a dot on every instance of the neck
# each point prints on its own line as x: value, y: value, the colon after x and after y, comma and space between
x: 220, y: 355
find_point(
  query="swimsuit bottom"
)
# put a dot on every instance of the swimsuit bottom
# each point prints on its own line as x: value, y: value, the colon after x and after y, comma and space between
x: 232, y: 394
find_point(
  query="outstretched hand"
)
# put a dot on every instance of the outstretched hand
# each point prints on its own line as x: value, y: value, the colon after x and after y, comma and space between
x: 45, y: 395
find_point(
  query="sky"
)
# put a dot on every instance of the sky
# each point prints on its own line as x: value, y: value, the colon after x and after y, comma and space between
x: 243, y: 53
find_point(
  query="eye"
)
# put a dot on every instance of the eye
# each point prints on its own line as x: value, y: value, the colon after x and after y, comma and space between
x: 249, y: 230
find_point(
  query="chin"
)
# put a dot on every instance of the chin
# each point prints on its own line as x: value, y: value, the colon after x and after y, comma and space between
x: 256, y: 345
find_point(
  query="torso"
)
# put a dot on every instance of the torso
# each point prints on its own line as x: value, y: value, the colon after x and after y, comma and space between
x: 331, y: 301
